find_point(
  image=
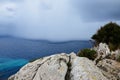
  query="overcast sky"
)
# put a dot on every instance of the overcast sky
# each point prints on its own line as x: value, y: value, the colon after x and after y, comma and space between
x: 56, y: 19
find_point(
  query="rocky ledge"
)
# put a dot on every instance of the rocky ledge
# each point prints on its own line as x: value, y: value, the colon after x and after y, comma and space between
x: 70, y: 67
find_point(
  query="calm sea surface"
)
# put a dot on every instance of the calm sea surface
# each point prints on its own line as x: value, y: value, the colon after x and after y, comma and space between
x: 15, y: 52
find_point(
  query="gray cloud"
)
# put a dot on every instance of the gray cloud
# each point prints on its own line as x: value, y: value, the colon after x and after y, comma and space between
x: 56, y: 19
x: 99, y: 10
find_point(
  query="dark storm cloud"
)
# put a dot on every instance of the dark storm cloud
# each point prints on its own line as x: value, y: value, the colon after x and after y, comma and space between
x: 99, y: 10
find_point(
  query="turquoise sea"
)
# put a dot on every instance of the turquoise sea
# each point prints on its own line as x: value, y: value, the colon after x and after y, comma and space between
x: 16, y: 52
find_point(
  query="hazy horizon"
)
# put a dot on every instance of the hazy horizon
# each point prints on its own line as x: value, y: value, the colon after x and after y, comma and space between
x: 56, y: 20
x: 45, y: 40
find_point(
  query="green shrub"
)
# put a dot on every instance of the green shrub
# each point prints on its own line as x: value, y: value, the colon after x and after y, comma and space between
x: 113, y: 46
x: 91, y: 54
x: 109, y: 34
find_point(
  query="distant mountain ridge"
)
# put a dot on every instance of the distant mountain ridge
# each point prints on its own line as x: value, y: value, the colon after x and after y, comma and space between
x: 44, y: 40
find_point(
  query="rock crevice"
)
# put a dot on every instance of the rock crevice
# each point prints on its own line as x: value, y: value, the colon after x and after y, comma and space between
x: 39, y: 65
x: 60, y: 67
x: 67, y: 76
x: 71, y: 67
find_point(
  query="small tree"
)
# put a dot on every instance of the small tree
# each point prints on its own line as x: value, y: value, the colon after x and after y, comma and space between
x: 91, y: 54
x: 109, y: 34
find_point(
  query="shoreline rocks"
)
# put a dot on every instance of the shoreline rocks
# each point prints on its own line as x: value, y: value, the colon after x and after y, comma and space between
x: 71, y: 67
x: 60, y: 67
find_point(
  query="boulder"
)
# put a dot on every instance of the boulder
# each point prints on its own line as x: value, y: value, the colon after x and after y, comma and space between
x: 116, y: 54
x: 102, y: 50
x: 48, y: 68
x: 84, y: 69
x: 60, y: 67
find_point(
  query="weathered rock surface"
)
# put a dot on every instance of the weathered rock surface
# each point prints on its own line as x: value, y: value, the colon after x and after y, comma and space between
x: 84, y: 69
x: 110, y: 68
x: 60, y: 67
x: 107, y: 61
x: 116, y: 55
x: 48, y: 68
x: 102, y: 50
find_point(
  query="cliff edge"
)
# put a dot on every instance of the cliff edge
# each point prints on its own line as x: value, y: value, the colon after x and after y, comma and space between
x: 71, y: 67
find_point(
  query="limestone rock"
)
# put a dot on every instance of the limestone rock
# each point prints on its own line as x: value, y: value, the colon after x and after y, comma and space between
x: 60, y: 67
x: 84, y: 69
x: 116, y: 54
x: 48, y: 68
x: 102, y: 50
x: 110, y: 68
x: 53, y: 69
x: 11, y: 77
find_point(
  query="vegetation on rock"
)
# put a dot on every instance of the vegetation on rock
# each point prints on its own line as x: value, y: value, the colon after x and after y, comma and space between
x: 109, y: 34
x: 91, y: 54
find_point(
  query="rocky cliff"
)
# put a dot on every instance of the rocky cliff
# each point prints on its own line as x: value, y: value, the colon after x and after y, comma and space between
x: 71, y: 67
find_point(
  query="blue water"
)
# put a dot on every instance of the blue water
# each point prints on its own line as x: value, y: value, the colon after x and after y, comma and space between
x: 15, y: 52
x: 10, y: 66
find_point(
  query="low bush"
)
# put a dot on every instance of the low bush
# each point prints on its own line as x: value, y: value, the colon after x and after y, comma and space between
x: 91, y: 54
